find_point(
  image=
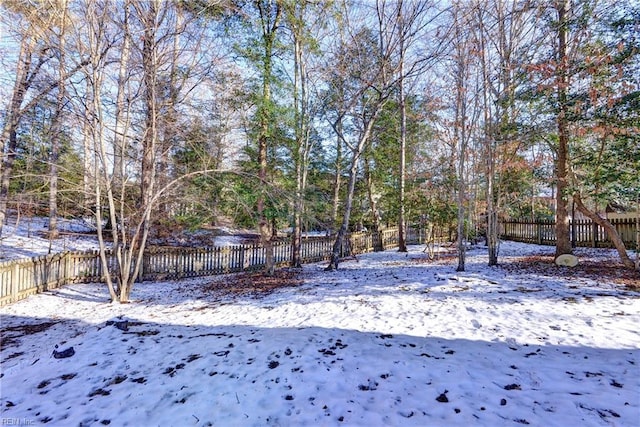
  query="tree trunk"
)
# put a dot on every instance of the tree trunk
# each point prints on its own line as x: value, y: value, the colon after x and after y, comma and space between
x: 563, y: 235
x: 56, y: 128
x: 87, y: 130
x: 460, y: 242
x: 299, y: 106
x: 348, y: 204
x: 373, y: 198
x: 461, y: 141
x: 342, y: 231
x: 269, y: 19
x: 296, y: 238
x: 337, y: 178
x: 611, y: 231
x: 54, y: 157
x: 119, y: 128
x: 353, y: 177
x: 169, y: 119
x: 267, y: 244
x: 9, y: 130
x: 402, y: 244
x: 149, y: 69
x: 490, y: 136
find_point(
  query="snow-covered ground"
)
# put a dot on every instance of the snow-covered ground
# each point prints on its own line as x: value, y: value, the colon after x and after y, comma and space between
x: 26, y: 237
x: 391, y: 339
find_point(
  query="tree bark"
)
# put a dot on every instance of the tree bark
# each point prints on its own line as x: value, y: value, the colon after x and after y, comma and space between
x: 373, y: 198
x: 56, y: 127
x: 270, y: 19
x: 149, y: 70
x: 119, y: 128
x: 460, y: 136
x: 402, y: 244
x: 301, y: 119
x: 490, y: 136
x: 353, y: 176
x: 337, y: 179
x: 9, y: 140
x: 563, y: 235
x: 348, y: 204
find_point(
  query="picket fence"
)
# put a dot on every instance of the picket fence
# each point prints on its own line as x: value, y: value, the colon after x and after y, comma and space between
x: 21, y: 278
x: 583, y: 232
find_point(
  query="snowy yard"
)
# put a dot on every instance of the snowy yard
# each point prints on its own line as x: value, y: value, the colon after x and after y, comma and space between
x: 27, y: 237
x: 389, y: 340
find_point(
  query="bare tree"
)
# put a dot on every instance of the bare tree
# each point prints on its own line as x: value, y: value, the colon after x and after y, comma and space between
x: 464, y: 107
x: 302, y: 18
x: 56, y: 126
x: 121, y: 165
x: 122, y: 106
x: 30, y: 86
x: 412, y: 22
x: 32, y: 57
x: 461, y: 130
x: 371, y: 86
x: 402, y: 244
x: 505, y: 31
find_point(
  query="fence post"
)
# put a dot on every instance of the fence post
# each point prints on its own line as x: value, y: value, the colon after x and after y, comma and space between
x: 539, y: 231
x: 145, y: 259
x: 65, y: 277
x: 378, y: 243
x: 14, y: 282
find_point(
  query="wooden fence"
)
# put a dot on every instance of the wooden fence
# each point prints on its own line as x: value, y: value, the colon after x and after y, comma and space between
x: 583, y: 232
x: 21, y: 278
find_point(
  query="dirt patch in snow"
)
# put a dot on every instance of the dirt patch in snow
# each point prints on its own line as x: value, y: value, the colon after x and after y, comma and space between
x: 11, y: 334
x: 256, y: 283
x: 600, y: 269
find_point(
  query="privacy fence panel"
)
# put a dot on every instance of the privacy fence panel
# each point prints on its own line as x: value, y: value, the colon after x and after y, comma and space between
x: 583, y: 232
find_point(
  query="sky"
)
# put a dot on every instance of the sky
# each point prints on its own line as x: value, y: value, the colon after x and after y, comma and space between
x: 389, y: 339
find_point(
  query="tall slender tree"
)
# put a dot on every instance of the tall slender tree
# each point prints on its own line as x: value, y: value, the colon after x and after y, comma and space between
x: 563, y: 235
x: 32, y: 57
x: 302, y: 18
x: 462, y: 53
x: 505, y: 31
x: 413, y: 20
x: 269, y: 16
x: 372, y: 83
x: 61, y: 13
x: 402, y: 41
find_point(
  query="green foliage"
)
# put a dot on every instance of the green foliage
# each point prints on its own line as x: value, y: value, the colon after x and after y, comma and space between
x: 606, y: 148
x: 30, y: 176
x: 190, y: 220
x: 199, y: 158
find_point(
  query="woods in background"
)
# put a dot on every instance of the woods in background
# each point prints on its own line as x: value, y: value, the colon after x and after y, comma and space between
x: 306, y: 115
